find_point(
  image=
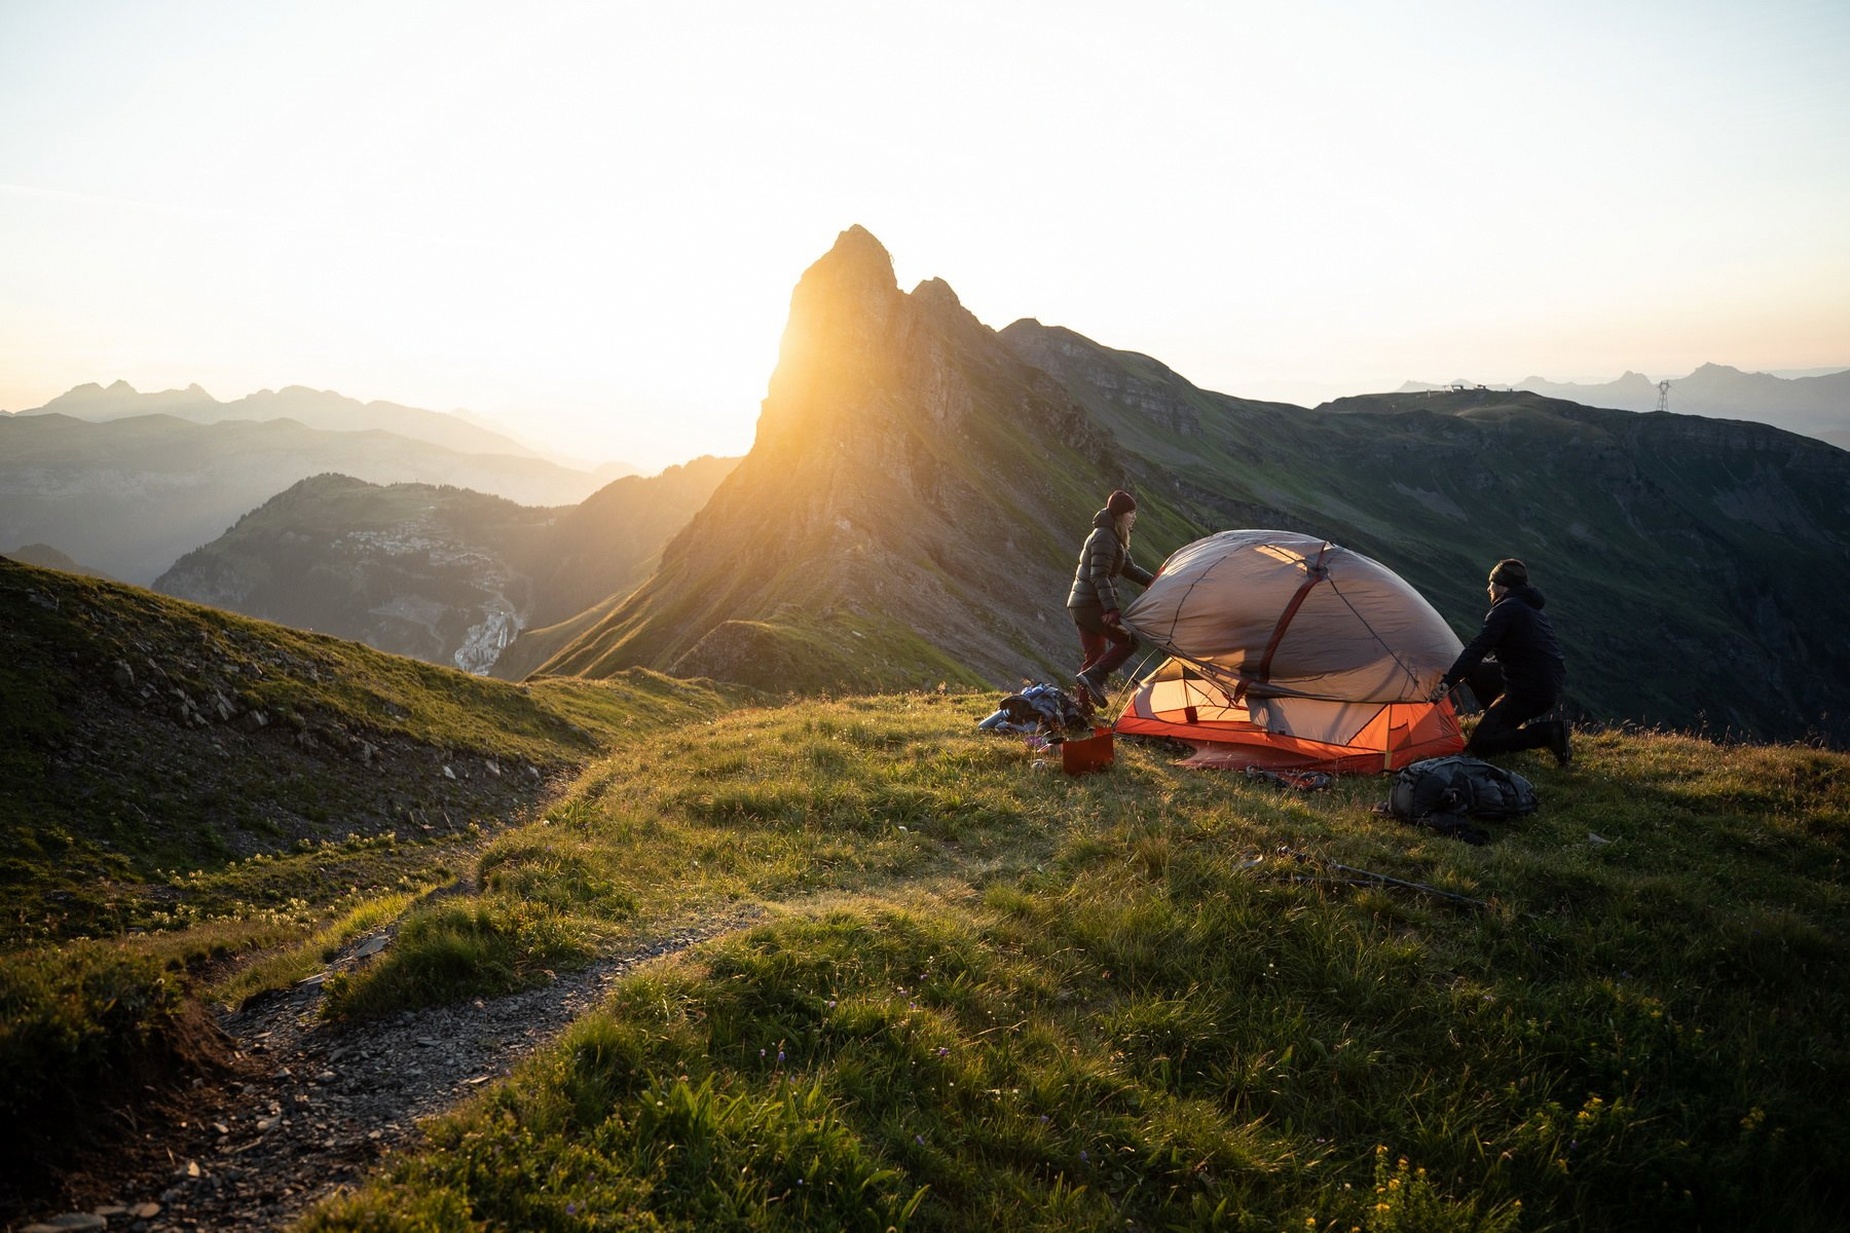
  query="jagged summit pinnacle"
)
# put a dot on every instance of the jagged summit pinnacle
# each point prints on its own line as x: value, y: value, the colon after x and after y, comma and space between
x: 855, y: 256
x: 844, y: 301
x: 859, y: 235
x: 936, y: 291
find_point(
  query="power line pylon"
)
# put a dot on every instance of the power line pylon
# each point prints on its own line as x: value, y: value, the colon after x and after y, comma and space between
x: 1663, y: 395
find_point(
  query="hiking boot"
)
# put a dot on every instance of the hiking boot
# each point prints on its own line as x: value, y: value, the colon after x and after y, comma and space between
x: 1091, y: 689
x: 1558, y: 743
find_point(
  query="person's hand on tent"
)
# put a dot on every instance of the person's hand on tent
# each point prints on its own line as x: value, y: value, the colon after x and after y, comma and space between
x: 1111, y: 617
x: 1439, y: 691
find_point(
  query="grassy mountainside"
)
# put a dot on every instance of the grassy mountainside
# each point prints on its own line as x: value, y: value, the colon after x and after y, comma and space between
x: 145, y: 737
x: 1682, y: 557
x: 998, y: 997
x: 612, y: 540
x: 987, y: 994
x: 182, y: 789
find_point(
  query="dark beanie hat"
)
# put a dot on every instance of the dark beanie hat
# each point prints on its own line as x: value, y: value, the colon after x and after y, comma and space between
x: 1120, y: 502
x: 1509, y: 572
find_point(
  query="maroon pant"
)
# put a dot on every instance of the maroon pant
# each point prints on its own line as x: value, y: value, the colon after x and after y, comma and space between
x: 1106, y: 647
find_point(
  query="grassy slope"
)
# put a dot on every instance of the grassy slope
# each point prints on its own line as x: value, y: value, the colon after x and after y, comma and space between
x: 109, y: 782
x: 176, y: 842
x: 1000, y: 997
x: 987, y: 993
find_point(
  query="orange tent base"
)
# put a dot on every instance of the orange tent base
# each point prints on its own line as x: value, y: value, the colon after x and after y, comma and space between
x: 1387, y: 737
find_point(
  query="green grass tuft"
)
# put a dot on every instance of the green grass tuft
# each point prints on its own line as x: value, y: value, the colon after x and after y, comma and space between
x: 452, y: 950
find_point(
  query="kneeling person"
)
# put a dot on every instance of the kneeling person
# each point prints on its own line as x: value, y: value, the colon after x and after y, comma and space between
x: 1524, y: 682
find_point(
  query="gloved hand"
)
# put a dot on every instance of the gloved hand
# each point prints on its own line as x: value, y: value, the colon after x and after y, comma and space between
x: 1439, y: 691
x: 1111, y: 616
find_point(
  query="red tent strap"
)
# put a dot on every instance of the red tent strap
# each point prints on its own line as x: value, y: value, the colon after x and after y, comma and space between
x: 1314, y: 572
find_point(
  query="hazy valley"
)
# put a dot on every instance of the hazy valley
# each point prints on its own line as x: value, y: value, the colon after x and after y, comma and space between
x: 443, y: 574
x: 129, y: 495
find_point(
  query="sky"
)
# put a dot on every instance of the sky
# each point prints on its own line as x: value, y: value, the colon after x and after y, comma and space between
x: 584, y: 221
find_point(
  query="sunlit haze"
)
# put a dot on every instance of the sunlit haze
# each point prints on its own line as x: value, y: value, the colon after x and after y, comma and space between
x: 584, y: 221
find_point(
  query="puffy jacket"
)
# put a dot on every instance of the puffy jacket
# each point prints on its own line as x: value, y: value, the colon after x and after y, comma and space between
x: 1523, y: 640
x: 1102, y: 559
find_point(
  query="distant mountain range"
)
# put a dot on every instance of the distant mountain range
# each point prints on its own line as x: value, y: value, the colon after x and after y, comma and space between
x: 920, y: 484
x: 1814, y: 406
x: 130, y: 495
x: 439, y: 573
x: 323, y: 409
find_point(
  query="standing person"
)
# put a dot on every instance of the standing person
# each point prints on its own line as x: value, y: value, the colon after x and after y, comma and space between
x: 1094, y: 602
x: 1524, y: 681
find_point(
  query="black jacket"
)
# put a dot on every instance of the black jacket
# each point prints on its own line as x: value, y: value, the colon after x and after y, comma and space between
x: 1520, y: 635
x: 1101, y: 560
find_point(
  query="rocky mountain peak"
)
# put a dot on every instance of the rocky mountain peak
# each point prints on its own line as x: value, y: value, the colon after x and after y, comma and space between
x: 838, y: 343
x: 854, y: 276
x: 849, y: 294
x: 857, y: 248
x: 891, y: 457
x: 936, y: 293
x: 120, y: 398
x: 77, y: 394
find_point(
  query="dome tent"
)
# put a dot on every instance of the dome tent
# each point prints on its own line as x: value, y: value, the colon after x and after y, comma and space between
x: 1288, y: 651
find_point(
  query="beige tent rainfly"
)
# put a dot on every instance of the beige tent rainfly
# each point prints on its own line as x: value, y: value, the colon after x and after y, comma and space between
x: 1287, y: 651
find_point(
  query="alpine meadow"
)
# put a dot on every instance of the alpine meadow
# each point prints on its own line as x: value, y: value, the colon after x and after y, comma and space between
x: 702, y: 900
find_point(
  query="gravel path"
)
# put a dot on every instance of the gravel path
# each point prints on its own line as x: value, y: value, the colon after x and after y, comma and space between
x: 311, y: 1108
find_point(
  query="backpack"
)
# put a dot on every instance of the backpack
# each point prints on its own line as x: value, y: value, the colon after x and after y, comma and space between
x: 1443, y: 792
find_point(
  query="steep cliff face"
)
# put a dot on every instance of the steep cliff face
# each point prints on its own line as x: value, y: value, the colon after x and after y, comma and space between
x: 908, y: 469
